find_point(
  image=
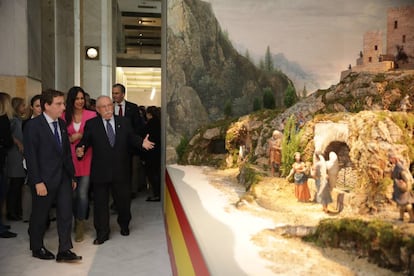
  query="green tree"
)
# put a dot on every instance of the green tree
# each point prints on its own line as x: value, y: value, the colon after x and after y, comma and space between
x: 304, y: 92
x: 226, y: 35
x: 261, y: 64
x: 401, y: 54
x: 247, y: 55
x: 181, y: 148
x: 268, y: 61
x: 256, y: 104
x: 268, y: 98
x: 290, y: 145
x: 228, y: 112
x: 290, y: 96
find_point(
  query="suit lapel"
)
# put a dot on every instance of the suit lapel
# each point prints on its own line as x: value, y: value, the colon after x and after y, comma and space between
x: 63, y: 134
x: 117, y: 128
x: 127, y: 109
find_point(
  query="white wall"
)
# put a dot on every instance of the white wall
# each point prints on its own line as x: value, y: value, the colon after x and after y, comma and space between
x: 14, y: 42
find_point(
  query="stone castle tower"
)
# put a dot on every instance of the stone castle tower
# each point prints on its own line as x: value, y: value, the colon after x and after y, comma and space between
x: 372, y: 47
x: 400, y: 34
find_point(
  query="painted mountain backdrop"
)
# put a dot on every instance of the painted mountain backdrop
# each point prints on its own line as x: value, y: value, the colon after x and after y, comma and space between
x: 206, y: 75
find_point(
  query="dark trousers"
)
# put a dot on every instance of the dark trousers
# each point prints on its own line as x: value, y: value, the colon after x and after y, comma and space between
x: 121, y: 194
x: 14, y: 196
x: 2, y: 192
x: 138, y: 179
x: 153, y: 171
x: 41, y: 205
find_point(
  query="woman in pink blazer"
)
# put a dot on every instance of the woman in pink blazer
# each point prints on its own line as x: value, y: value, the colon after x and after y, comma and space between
x: 75, y: 116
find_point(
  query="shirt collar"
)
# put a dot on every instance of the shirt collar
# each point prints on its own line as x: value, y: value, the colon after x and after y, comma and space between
x: 112, y: 120
x: 121, y: 103
x: 49, y: 119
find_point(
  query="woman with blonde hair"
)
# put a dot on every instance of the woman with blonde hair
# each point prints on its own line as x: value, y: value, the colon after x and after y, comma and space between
x: 14, y: 164
x: 300, y: 178
x: 5, y: 105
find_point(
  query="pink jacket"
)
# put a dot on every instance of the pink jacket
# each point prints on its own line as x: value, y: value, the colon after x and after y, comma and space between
x: 83, y: 166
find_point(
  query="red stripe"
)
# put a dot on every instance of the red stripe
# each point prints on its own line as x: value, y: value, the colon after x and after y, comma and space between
x: 199, y: 265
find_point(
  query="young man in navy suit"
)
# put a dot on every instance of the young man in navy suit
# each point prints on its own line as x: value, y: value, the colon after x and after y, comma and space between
x: 50, y: 175
x: 111, y: 139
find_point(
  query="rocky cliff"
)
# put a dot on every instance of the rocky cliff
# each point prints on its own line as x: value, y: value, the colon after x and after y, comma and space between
x: 206, y: 74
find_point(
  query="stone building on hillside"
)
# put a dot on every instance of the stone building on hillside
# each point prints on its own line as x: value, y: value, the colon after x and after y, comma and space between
x: 400, y: 33
x: 399, y: 49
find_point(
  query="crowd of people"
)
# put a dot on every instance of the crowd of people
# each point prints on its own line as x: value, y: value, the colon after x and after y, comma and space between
x: 66, y: 150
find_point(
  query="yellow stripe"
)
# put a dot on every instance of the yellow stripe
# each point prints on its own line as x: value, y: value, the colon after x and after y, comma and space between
x: 182, y: 258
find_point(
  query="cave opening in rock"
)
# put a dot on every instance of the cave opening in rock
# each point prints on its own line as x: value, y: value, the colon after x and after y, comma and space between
x: 347, y: 176
x: 217, y: 146
x: 342, y: 151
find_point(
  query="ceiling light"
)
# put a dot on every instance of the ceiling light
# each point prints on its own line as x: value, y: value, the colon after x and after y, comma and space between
x: 152, y: 94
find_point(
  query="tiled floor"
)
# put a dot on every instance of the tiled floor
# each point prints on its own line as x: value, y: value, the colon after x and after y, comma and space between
x: 143, y: 252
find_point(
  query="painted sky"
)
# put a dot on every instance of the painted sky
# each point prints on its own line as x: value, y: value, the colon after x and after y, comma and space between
x: 323, y: 36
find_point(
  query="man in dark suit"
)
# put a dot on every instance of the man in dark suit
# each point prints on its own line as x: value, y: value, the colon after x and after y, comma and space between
x: 50, y: 176
x: 111, y: 139
x: 131, y: 111
x: 127, y: 109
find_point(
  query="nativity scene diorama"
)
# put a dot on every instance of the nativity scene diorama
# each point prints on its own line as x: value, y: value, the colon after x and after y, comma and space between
x: 347, y: 149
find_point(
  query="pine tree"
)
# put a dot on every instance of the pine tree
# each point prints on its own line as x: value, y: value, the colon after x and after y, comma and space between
x: 256, y: 104
x: 228, y: 110
x: 247, y: 55
x: 268, y: 98
x: 290, y: 96
x: 268, y: 61
x: 261, y: 64
x: 304, y: 92
x: 290, y: 145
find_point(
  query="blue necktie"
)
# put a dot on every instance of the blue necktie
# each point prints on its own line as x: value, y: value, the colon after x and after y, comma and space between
x: 110, y: 132
x: 56, y: 133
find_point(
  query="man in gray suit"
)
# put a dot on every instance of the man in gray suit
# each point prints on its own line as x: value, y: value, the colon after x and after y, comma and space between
x: 50, y: 175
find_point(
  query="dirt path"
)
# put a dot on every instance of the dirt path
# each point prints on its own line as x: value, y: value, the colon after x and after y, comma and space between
x: 291, y: 256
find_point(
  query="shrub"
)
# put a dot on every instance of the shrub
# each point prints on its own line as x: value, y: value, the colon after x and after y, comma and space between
x: 228, y: 111
x: 181, y: 148
x: 256, y: 104
x: 268, y: 99
x: 290, y: 96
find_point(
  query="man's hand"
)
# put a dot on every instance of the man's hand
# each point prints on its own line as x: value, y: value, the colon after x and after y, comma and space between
x: 74, y: 185
x: 80, y: 152
x: 41, y: 189
x: 147, y: 144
